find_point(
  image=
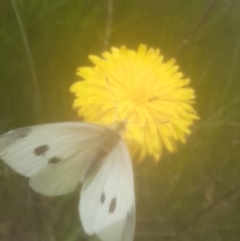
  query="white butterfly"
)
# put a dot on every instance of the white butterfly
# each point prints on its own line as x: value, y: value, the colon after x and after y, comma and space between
x: 58, y: 156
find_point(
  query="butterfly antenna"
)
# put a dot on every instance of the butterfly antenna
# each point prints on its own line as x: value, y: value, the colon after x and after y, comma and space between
x: 29, y: 56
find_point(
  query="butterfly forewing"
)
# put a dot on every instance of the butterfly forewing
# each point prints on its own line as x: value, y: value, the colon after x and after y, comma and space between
x: 54, y: 156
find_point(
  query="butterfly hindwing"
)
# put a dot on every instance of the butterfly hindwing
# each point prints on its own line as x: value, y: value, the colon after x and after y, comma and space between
x: 107, y: 203
x: 54, y: 156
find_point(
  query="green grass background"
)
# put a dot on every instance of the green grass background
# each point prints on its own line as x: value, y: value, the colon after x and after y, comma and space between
x: 193, y: 194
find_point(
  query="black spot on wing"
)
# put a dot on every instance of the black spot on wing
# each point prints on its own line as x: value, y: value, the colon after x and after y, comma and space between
x: 113, y: 205
x: 102, y: 198
x: 41, y: 150
x: 54, y: 160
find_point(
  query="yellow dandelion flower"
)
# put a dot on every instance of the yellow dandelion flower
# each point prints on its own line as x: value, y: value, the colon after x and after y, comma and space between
x: 152, y: 92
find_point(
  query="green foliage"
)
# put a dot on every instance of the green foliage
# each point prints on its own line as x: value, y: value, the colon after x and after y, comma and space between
x: 189, y: 195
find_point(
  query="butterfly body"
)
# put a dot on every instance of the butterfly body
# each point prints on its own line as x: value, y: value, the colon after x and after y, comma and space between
x: 57, y: 157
